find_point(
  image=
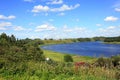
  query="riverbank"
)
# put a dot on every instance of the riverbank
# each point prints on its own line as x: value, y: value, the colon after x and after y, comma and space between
x: 112, y: 42
x: 56, y: 56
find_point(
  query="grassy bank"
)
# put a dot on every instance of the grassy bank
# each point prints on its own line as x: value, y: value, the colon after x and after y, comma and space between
x: 61, y: 41
x: 112, y: 42
x: 59, y: 56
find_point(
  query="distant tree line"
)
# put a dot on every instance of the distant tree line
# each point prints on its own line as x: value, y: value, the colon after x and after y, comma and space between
x: 70, y: 40
x: 112, y: 39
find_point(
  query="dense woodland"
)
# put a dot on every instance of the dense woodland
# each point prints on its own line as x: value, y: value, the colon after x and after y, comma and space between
x: 22, y: 59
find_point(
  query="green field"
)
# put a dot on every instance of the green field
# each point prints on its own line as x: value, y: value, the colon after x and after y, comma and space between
x: 59, y: 57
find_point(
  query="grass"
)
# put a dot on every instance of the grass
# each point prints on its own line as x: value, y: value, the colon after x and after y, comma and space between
x: 56, y: 56
x: 60, y: 71
x: 112, y: 42
x: 44, y: 71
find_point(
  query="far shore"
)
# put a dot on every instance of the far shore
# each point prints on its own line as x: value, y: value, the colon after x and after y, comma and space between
x: 112, y: 42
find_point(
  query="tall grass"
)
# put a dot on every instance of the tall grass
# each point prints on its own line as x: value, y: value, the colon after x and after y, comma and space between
x: 58, y: 71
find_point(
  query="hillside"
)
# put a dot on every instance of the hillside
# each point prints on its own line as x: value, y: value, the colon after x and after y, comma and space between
x: 24, y: 60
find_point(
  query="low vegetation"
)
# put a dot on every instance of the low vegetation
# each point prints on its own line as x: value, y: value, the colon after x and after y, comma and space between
x: 24, y: 60
x: 111, y: 40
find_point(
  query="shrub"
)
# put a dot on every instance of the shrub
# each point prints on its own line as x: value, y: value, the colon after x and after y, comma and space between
x: 117, y: 75
x: 104, y: 62
x: 68, y: 58
x: 116, y: 60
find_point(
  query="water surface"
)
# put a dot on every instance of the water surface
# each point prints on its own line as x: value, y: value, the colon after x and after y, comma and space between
x: 94, y: 49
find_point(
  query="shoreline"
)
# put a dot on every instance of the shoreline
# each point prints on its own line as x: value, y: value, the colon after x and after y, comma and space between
x: 111, y: 42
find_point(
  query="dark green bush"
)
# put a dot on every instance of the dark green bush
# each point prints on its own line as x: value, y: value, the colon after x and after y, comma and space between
x: 116, y: 60
x: 68, y: 58
x: 104, y: 62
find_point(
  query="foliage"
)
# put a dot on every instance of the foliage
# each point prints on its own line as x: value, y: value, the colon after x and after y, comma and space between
x: 114, y: 61
x: 22, y: 59
x: 112, y: 39
x: 68, y: 58
x: 13, y: 51
x: 83, y: 39
x: 104, y: 62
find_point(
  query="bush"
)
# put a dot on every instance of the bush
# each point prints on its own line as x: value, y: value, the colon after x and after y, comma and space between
x: 68, y: 58
x: 104, y: 62
x: 116, y: 60
x: 117, y: 75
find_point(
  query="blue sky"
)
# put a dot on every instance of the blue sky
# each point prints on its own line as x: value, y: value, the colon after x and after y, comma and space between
x: 60, y: 18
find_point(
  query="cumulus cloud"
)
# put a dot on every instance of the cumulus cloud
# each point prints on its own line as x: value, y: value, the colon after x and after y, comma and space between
x: 45, y: 27
x: 111, y: 27
x: 29, y: 0
x: 55, y: 2
x: 3, y: 25
x: 117, y: 9
x: 40, y: 8
x: 51, y: 20
x: 19, y: 28
x: 98, y: 25
x: 49, y: 31
x: 61, y: 14
x: 108, y: 31
x: 74, y: 29
x: 64, y: 7
x: 111, y: 18
x: 7, y: 17
x: 117, y: 6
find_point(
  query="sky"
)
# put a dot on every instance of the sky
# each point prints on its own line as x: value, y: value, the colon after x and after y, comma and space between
x: 59, y: 19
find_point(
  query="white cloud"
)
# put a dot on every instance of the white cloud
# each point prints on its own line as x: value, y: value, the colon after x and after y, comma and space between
x: 108, y: 31
x: 117, y: 9
x: 29, y: 0
x: 40, y: 8
x: 3, y: 25
x: 34, y: 37
x: 74, y: 29
x: 7, y: 17
x: 51, y: 20
x: 98, y: 25
x: 80, y: 29
x: 111, y: 27
x: 116, y: 6
x: 64, y: 7
x: 19, y: 28
x: 55, y: 2
x: 61, y: 14
x: 111, y: 18
x: 45, y: 27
